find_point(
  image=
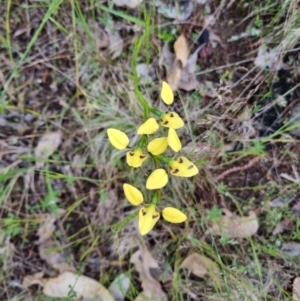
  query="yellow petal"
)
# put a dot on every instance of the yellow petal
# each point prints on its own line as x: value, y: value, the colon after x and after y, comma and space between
x: 182, y: 167
x: 158, y: 146
x: 149, y: 127
x: 173, y: 140
x: 135, y: 158
x: 117, y: 138
x: 133, y: 195
x: 166, y: 93
x: 148, y: 217
x: 173, y: 215
x: 157, y: 179
x: 172, y: 120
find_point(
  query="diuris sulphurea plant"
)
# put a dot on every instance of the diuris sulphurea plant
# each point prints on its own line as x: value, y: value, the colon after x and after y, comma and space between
x: 147, y: 149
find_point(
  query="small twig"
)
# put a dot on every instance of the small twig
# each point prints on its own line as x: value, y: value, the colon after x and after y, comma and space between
x: 238, y: 168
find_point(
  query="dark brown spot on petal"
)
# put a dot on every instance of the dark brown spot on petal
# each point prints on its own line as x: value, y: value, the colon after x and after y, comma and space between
x: 142, y: 156
x: 180, y: 160
x: 190, y: 167
x: 166, y: 122
x: 144, y: 212
x: 155, y: 216
x: 131, y: 154
x: 171, y: 115
x: 175, y: 171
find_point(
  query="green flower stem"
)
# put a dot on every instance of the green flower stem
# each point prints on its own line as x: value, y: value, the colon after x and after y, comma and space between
x: 141, y: 99
x: 156, y: 112
x: 142, y: 141
x: 156, y: 161
x: 156, y: 197
x: 163, y: 159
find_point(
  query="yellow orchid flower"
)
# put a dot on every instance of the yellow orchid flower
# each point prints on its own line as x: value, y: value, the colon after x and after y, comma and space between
x: 172, y: 120
x: 173, y: 215
x: 173, y: 140
x: 158, y: 146
x: 133, y: 195
x: 150, y: 126
x: 148, y: 216
x: 135, y: 158
x: 182, y: 167
x: 117, y: 138
x: 166, y: 93
x: 158, y: 179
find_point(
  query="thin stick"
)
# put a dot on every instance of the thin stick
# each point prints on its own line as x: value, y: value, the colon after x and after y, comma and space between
x: 238, y: 168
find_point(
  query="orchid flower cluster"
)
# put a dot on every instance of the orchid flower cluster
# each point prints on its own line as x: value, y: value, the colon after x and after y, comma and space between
x: 136, y: 156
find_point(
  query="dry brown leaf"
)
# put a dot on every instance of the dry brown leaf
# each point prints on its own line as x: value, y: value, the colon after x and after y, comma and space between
x: 45, y: 243
x: 60, y: 286
x: 152, y: 290
x: 235, y: 226
x: 83, y: 286
x: 296, y: 289
x: 185, y: 78
x: 47, y: 145
x: 190, y: 67
x: 174, y: 78
x: 189, y: 82
x: 200, y: 265
x: 143, y: 261
x: 181, y: 49
x: 33, y: 279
